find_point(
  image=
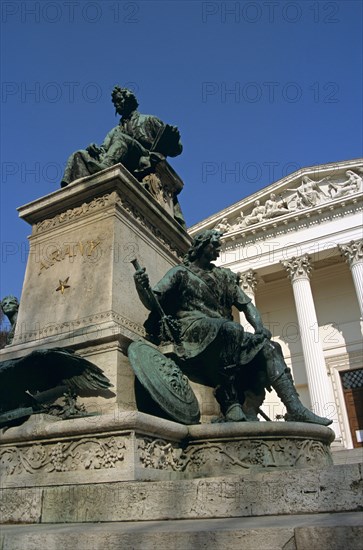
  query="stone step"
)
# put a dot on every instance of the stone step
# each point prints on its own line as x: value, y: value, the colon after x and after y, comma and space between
x: 293, y: 532
x: 256, y: 493
x: 348, y: 456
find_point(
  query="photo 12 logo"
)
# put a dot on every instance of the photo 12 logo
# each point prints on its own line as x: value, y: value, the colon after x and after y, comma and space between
x: 236, y: 172
x: 50, y: 92
x: 70, y: 12
x: 56, y: 92
x: 34, y: 172
x: 270, y: 12
x: 269, y: 92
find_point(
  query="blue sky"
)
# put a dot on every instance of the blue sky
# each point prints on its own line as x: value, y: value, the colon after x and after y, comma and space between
x: 257, y: 89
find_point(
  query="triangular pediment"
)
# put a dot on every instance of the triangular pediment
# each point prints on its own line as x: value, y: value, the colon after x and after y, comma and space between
x: 299, y: 194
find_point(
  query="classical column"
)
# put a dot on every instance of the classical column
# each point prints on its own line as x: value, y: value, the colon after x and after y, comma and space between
x: 248, y: 283
x: 353, y: 253
x: 320, y: 388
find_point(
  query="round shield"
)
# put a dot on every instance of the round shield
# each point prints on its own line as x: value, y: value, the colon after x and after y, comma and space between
x: 165, y: 382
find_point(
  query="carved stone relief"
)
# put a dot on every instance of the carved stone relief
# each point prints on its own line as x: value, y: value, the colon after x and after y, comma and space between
x: 99, y: 203
x: 84, y: 454
x: 74, y: 213
x: 237, y: 456
x: 69, y: 328
x: 160, y: 454
x: 118, y: 452
x: 248, y: 281
x: 307, y: 194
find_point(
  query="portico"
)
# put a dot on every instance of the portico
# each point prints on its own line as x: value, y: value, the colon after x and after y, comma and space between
x: 292, y: 265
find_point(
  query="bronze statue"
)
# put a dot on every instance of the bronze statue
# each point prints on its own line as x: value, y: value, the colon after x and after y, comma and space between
x: 211, y: 348
x: 10, y: 307
x: 138, y: 142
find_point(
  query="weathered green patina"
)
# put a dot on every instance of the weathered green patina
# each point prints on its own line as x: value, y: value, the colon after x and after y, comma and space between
x: 165, y: 381
x: 28, y: 384
x: 138, y: 142
x: 213, y: 349
x: 10, y: 307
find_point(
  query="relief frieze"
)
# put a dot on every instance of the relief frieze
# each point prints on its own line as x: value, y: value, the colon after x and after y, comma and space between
x: 78, y: 212
x: 84, y: 454
x: 307, y: 194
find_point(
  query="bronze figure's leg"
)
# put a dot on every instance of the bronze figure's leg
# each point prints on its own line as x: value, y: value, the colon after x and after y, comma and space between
x: 79, y: 165
x: 280, y: 378
x: 228, y: 343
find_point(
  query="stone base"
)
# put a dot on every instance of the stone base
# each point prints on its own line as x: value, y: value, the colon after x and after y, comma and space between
x: 136, y: 446
x: 294, y: 532
x: 131, y: 467
x: 258, y: 493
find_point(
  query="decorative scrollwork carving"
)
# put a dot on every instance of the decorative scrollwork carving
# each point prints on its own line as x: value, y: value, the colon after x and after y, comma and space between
x: 84, y: 454
x: 74, y: 213
x: 159, y: 454
x: 233, y: 456
x: 242, y: 455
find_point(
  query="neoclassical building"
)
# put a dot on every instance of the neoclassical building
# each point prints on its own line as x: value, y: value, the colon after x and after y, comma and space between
x: 298, y: 247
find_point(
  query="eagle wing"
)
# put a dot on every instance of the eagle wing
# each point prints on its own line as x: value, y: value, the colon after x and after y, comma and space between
x: 44, y: 369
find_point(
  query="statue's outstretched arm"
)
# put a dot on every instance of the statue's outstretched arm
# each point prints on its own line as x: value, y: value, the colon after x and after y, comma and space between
x: 254, y: 318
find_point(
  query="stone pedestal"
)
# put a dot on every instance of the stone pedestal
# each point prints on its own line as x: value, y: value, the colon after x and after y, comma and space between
x: 78, y: 290
x: 136, y: 446
x: 131, y: 467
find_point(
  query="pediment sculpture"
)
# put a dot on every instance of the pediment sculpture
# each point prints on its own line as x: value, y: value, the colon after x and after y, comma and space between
x: 307, y: 194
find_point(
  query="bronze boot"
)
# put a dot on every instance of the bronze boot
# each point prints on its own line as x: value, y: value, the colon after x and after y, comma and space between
x: 296, y: 412
x: 227, y: 397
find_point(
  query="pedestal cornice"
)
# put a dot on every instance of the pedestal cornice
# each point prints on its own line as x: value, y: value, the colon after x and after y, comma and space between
x: 113, y: 186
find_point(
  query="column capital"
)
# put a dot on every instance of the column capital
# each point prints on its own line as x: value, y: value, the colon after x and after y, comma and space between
x: 248, y: 281
x: 352, y: 252
x: 298, y: 268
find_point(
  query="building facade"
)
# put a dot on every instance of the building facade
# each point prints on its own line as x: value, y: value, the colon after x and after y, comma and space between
x: 298, y: 247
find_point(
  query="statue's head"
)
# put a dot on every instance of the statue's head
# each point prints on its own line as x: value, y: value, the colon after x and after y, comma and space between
x: 9, y: 304
x: 200, y: 241
x: 124, y: 100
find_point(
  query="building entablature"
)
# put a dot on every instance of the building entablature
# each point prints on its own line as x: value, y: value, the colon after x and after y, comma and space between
x: 311, y: 195
x: 294, y: 216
